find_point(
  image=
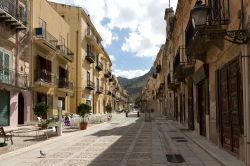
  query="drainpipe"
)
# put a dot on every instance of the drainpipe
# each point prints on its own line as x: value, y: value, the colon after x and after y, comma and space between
x: 245, y: 62
x: 247, y: 113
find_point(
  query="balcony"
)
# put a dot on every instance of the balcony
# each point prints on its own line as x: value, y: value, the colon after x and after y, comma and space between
x: 209, y: 30
x: 182, y: 67
x: 9, y: 77
x: 99, y: 66
x: 172, y: 85
x: 65, y: 84
x: 45, y: 78
x: 90, y: 85
x: 65, y: 53
x: 158, y: 69
x: 45, y: 39
x: 111, y: 78
x: 91, y: 38
x: 99, y: 90
x: 154, y: 75
x: 90, y: 57
x: 108, y: 92
x: 107, y: 74
x: 13, y: 15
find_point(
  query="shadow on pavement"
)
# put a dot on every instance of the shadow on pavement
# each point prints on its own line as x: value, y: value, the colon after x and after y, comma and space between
x: 120, y: 144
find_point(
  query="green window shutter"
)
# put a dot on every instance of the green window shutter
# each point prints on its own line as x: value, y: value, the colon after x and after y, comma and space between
x: 4, y: 108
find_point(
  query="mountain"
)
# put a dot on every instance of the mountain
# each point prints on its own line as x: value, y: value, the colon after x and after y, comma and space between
x: 134, y: 85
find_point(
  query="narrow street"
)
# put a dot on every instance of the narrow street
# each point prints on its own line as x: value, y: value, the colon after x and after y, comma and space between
x: 121, y: 142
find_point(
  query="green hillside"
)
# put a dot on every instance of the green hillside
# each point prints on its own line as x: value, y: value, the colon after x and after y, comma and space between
x: 134, y: 86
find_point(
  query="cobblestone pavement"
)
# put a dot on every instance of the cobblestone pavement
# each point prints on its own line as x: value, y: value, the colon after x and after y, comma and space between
x: 122, y: 142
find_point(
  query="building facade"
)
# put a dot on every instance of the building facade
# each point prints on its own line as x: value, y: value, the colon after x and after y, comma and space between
x: 207, y: 78
x: 15, y: 94
x: 51, y: 58
x: 92, y: 69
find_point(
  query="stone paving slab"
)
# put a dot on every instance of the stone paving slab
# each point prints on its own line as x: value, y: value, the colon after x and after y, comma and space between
x: 219, y: 154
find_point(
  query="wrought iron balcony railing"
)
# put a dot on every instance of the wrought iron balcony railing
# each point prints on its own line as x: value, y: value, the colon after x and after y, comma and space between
x: 65, y: 84
x: 90, y: 57
x: 65, y: 52
x: 158, y: 68
x: 99, y: 89
x: 90, y: 85
x: 41, y: 33
x: 107, y: 74
x: 99, y: 65
x: 9, y: 76
x: 176, y: 62
x: 17, y: 12
x: 46, y: 76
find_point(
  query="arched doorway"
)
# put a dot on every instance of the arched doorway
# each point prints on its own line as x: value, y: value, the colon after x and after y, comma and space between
x: 20, y: 109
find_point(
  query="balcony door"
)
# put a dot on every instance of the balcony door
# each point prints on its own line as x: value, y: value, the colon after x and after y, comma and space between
x: 44, y: 69
x: 5, y: 67
x: 201, y: 94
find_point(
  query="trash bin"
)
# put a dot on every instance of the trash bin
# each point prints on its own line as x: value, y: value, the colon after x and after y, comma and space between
x: 138, y: 114
x: 126, y: 114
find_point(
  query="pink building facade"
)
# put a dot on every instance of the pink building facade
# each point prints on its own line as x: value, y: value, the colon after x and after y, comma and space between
x: 15, y: 94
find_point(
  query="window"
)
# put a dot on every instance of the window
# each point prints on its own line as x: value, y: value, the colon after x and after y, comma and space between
x: 44, y: 98
x: 88, y: 76
x: 88, y: 30
x: 63, y: 102
x: 5, y: 66
x: 97, y: 83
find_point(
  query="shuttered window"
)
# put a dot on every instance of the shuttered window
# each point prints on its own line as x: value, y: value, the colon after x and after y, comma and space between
x: 4, y: 108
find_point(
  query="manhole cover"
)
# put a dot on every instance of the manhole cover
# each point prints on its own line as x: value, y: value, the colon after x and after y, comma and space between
x: 175, y: 158
x: 181, y: 140
x: 177, y: 137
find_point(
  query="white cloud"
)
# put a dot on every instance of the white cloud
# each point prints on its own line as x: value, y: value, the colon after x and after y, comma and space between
x: 112, y: 57
x: 130, y: 73
x: 143, y: 18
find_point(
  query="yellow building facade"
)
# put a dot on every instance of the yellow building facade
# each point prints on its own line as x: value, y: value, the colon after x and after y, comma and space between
x: 51, y: 57
x: 91, y: 69
x: 206, y: 76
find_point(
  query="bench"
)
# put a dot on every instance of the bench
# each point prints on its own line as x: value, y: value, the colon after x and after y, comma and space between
x: 6, y: 135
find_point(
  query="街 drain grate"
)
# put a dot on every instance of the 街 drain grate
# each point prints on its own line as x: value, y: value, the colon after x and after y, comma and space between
x: 175, y: 158
x: 181, y: 140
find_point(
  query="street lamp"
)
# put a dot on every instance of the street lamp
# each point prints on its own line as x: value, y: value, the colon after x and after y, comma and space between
x: 199, y: 16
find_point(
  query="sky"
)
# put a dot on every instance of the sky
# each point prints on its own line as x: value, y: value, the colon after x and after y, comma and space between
x: 132, y: 31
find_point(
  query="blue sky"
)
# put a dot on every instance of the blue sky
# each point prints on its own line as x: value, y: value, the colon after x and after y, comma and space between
x: 132, y: 31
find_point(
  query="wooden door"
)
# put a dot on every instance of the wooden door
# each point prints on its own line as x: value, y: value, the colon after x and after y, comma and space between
x: 202, y: 107
x: 190, y: 109
x: 20, y: 108
x: 230, y: 109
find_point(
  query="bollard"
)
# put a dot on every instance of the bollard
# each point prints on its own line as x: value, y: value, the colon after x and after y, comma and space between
x: 126, y: 114
x: 138, y: 114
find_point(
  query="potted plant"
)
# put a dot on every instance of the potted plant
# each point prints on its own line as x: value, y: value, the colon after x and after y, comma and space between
x: 108, y: 109
x: 41, y: 110
x: 83, y: 110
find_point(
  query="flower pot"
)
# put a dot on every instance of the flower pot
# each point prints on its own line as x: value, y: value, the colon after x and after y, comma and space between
x: 83, y: 125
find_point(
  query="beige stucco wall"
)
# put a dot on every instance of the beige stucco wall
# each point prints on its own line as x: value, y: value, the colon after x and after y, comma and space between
x: 57, y: 27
